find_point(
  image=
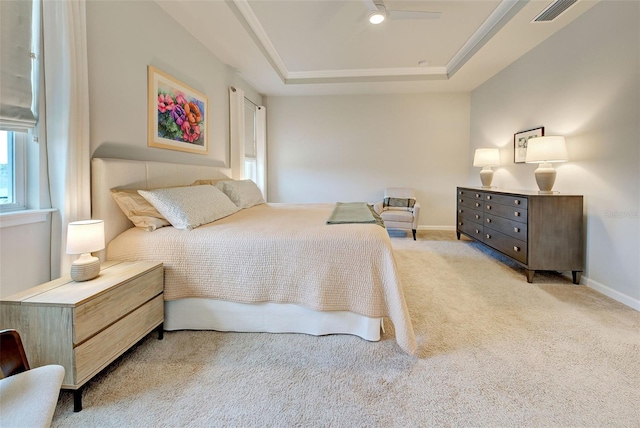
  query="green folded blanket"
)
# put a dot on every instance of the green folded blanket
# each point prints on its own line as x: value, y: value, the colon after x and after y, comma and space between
x: 354, y: 212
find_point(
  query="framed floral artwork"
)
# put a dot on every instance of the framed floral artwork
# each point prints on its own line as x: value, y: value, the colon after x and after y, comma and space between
x: 520, y: 141
x: 178, y: 115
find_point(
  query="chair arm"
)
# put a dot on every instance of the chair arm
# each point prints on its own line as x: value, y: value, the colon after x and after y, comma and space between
x: 416, y: 215
x: 378, y: 207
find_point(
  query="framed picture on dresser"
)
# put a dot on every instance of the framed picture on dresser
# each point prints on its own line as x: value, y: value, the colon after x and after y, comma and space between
x: 520, y: 140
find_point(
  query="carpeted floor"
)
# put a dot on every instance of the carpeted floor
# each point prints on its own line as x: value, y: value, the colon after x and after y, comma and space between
x: 494, y: 351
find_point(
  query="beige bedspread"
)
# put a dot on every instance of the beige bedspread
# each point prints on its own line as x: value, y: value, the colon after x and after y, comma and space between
x: 284, y: 253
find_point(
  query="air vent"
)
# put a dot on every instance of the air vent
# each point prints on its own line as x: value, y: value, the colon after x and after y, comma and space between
x: 554, y: 10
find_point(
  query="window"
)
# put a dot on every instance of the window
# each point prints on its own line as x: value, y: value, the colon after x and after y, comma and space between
x: 250, y: 141
x: 12, y: 170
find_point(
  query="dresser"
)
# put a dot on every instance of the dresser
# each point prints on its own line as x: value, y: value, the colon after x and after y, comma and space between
x: 539, y: 232
x: 84, y: 326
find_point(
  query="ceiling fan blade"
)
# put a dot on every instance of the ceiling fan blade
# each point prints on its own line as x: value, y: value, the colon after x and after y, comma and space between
x: 413, y: 14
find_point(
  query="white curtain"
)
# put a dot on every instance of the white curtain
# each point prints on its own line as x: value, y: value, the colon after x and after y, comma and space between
x: 67, y: 121
x: 261, y: 149
x: 236, y: 132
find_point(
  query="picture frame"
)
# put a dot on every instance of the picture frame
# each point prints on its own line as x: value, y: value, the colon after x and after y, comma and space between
x: 178, y: 115
x: 520, y: 140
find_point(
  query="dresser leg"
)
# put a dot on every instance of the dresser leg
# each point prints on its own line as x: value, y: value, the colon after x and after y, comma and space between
x: 458, y: 235
x: 576, y: 276
x: 77, y: 400
x: 530, y: 274
x: 161, y: 331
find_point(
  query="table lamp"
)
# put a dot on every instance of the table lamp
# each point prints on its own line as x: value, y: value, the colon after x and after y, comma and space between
x: 85, y: 237
x: 544, y: 150
x: 486, y: 158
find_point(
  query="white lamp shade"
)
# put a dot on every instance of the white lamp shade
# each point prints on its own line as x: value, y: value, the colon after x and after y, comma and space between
x: 546, y: 149
x: 486, y: 157
x: 85, y: 236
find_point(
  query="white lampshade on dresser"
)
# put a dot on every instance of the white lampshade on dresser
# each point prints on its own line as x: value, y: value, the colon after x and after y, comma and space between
x: 486, y: 158
x: 544, y: 151
x: 85, y: 237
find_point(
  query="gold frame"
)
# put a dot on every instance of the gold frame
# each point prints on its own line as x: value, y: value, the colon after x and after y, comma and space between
x: 184, y: 123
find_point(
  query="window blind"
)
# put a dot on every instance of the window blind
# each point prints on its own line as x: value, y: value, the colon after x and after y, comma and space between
x: 16, y: 63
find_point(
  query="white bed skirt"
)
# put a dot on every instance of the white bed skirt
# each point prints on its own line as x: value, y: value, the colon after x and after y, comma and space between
x: 220, y: 315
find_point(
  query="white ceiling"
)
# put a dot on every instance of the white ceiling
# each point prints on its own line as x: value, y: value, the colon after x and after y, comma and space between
x: 315, y: 47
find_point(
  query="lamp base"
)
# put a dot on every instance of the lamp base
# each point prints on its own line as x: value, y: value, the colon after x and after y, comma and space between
x: 545, y: 177
x: 486, y: 176
x: 86, y: 267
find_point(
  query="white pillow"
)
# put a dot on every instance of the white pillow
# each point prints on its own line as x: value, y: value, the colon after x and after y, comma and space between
x: 243, y: 193
x: 191, y: 206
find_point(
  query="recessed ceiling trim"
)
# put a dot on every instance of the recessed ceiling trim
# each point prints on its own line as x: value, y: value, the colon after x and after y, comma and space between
x: 258, y: 30
x: 498, y: 18
x: 367, y: 75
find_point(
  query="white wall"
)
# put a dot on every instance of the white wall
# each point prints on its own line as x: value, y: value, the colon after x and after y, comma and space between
x: 583, y: 83
x: 123, y: 38
x: 349, y: 148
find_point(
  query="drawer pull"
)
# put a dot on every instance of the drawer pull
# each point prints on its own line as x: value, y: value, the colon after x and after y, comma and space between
x: 516, y: 249
x: 477, y: 216
x: 477, y: 195
x: 488, y: 220
x: 516, y: 229
x: 460, y: 200
x: 459, y: 211
x: 477, y: 231
x: 460, y: 223
x: 488, y: 207
x: 488, y: 236
x: 516, y: 213
x: 488, y: 197
x: 517, y: 202
x: 460, y: 192
x: 477, y: 204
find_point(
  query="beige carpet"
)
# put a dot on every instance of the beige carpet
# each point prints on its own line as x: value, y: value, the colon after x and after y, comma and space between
x: 494, y: 351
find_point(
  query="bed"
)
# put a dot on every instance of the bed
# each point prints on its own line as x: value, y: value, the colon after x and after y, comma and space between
x: 276, y: 268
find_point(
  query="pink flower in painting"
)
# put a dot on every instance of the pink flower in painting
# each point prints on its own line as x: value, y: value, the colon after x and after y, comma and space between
x: 180, y: 99
x: 165, y: 102
x: 191, y: 133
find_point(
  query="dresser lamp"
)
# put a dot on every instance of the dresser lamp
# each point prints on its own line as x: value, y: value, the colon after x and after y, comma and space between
x: 85, y: 237
x: 544, y: 151
x: 486, y: 158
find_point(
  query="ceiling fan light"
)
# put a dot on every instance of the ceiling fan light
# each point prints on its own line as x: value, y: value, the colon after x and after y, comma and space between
x: 378, y: 16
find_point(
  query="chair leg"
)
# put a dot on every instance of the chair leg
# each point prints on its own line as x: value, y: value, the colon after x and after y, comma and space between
x: 414, y: 234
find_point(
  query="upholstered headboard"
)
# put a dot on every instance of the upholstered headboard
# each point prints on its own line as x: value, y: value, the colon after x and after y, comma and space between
x: 107, y: 174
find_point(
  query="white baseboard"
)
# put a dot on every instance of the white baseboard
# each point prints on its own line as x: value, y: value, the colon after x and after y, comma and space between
x: 451, y: 228
x: 610, y: 292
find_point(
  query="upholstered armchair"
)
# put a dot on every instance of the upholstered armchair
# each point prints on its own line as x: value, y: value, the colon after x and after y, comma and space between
x: 28, y: 396
x: 399, y: 209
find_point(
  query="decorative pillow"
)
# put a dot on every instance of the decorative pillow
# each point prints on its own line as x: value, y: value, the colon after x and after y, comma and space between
x: 243, y: 193
x: 211, y: 181
x: 190, y: 207
x: 407, y: 203
x: 137, y: 209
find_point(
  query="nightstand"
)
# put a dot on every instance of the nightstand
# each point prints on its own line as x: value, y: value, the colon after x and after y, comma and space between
x: 84, y: 326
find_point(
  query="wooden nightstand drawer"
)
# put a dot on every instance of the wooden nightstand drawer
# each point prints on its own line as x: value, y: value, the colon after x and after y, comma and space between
x: 117, y: 302
x: 93, y: 355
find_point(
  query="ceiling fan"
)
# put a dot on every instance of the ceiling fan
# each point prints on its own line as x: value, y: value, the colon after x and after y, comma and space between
x: 378, y: 12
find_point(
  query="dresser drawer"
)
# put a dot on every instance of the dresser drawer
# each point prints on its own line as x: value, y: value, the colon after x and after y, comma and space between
x: 509, y: 212
x: 470, y: 194
x: 115, y: 303
x: 106, y: 346
x: 509, y: 227
x: 509, y: 200
x: 470, y: 214
x: 469, y: 202
x: 470, y: 228
x: 506, y: 244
